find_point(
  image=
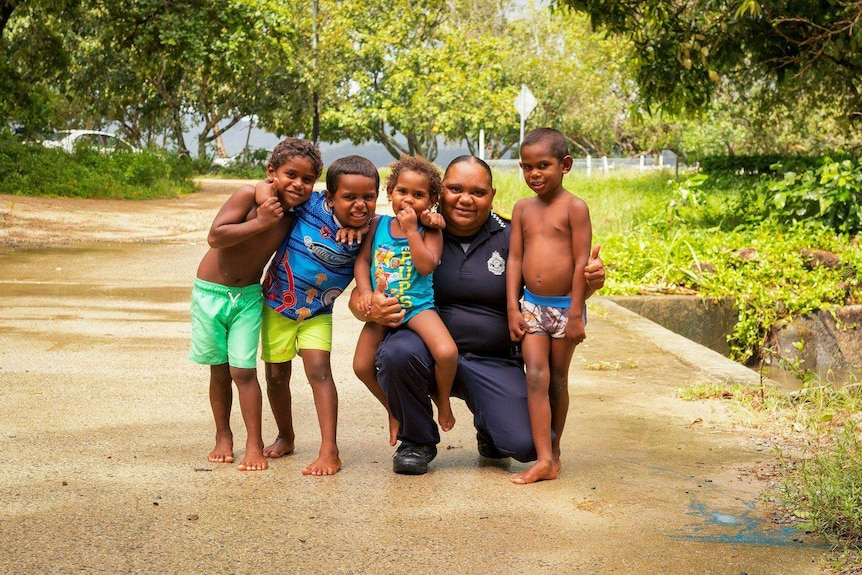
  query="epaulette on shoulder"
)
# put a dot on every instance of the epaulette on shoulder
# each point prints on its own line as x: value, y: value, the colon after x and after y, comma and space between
x: 502, y: 219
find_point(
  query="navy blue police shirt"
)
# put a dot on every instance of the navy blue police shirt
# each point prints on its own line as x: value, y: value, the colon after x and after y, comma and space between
x: 470, y: 290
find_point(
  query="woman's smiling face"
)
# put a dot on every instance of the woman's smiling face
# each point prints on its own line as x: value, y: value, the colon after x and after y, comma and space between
x: 467, y: 198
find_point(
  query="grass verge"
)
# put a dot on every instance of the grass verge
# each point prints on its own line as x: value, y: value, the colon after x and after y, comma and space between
x: 32, y: 170
x: 817, y: 431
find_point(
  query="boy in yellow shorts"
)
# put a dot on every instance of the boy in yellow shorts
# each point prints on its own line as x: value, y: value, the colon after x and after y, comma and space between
x: 309, y: 271
x: 226, y: 298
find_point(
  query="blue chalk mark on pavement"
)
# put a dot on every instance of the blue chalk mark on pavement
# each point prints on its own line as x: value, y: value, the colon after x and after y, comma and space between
x: 723, y: 526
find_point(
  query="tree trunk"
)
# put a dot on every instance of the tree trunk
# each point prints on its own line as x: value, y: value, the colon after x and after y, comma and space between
x: 177, y: 127
x: 219, y: 144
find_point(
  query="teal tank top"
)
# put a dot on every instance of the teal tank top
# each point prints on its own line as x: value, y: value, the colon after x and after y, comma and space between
x: 392, y: 265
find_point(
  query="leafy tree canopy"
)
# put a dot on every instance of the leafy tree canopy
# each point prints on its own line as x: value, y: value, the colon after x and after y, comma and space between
x: 684, y: 47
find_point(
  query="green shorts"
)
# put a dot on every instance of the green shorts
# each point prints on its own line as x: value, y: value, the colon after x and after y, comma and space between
x: 281, y: 337
x: 225, y: 324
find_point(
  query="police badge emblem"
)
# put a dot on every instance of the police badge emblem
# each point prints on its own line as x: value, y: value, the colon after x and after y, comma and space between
x: 496, y: 264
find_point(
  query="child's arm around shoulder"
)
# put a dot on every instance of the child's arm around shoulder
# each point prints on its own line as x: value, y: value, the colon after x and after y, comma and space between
x: 232, y: 224
x: 352, y: 236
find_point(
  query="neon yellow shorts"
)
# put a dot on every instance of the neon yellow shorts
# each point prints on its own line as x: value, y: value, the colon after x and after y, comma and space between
x: 225, y: 324
x: 282, y: 338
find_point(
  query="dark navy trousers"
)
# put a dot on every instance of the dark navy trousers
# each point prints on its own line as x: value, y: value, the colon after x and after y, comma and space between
x: 494, y: 389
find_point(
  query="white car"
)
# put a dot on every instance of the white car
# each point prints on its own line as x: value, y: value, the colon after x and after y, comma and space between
x: 225, y: 162
x: 253, y: 156
x: 68, y: 140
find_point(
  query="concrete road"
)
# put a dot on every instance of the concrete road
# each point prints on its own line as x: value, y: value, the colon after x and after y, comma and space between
x: 105, y: 427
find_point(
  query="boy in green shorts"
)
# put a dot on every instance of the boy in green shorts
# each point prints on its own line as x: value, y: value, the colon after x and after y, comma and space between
x: 310, y: 269
x: 227, y: 301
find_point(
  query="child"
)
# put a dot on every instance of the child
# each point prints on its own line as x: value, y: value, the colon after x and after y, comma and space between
x: 399, y: 261
x: 310, y: 269
x: 549, y: 248
x: 226, y: 299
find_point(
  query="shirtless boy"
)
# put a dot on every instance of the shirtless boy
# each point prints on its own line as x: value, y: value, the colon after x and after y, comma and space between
x: 549, y: 248
x: 227, y: 301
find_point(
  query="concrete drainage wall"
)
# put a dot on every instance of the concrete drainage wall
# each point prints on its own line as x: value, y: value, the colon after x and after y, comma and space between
x: 832, y: 346
x: 705, y: 322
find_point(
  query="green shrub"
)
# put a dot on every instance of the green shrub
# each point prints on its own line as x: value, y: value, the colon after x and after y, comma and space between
x: 33, y: 170
x: 830, y: 194
x: 754, y: 164
x: 696, y: 252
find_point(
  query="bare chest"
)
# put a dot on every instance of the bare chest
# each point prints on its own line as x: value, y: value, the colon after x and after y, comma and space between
x: 546, y: 223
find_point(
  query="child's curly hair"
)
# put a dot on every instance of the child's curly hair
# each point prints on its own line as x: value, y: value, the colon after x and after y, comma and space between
x: 296, y: 147
x: 420, y: 166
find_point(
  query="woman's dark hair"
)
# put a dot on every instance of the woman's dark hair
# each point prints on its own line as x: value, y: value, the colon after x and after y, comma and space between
x: 467, y: 158
x: 296, y: 147
x: 350, y: 165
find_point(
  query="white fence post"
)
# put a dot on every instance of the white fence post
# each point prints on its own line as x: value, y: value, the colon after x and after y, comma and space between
x: 589, y: 165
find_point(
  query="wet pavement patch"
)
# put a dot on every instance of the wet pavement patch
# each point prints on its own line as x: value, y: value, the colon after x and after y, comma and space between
x: 711, y: 525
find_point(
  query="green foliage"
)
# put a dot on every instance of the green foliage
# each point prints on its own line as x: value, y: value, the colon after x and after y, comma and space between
x: 410, y: 77
x: 588, y: 97
x: 36, y: 171
x: 643, y: 195
x: 822, y: 488
x: 752, y: 164
x: 825, y: 490
x: 724, y: 241
x: 687, y: 194
x: 830, y: 194
x: 686, y: 48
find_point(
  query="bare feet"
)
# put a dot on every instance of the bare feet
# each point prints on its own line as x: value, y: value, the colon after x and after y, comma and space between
x: 393, y: 430
x: 254, y: 460
x: 280, y: 447
x: 223, y: 450
x: 327, y: 462
x: 540, y: 471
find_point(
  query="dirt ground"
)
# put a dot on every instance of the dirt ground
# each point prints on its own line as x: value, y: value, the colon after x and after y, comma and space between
x: 105, y: 425
x: 32, y: 222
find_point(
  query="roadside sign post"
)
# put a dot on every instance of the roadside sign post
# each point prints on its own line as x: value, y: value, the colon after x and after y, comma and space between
x: 525, y: 103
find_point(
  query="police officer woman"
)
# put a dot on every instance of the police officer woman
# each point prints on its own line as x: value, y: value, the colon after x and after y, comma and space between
x: 470, y: 294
